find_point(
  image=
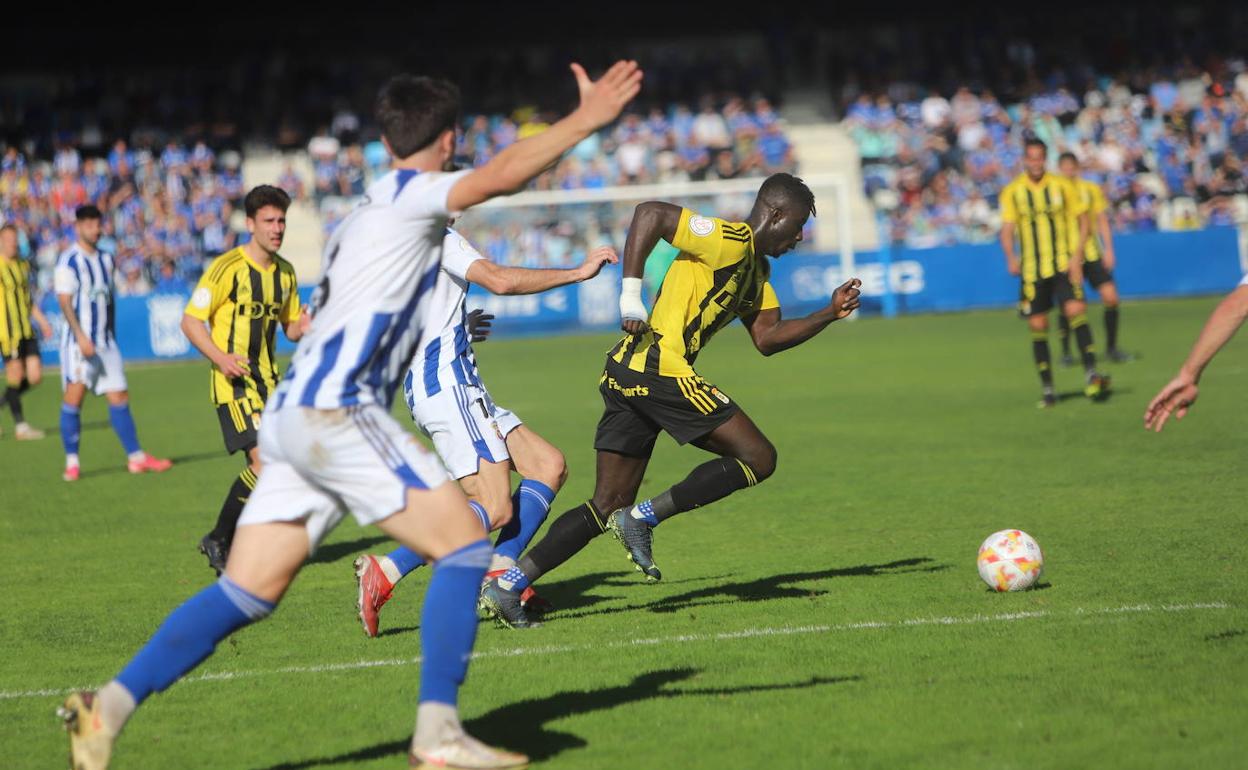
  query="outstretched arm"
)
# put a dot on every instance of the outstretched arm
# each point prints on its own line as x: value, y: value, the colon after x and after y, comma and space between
x: 772, y: 334
x: 511, y: 169
x: 498, y: 279
x: 652, y: 220
x: 1180, y: 393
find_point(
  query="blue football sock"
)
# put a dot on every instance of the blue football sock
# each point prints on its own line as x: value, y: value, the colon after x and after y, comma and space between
x: 189, y: 635
x: 448, y: 623
x: 530, y: 505
x: 645, y: 512
x: 405, y: 560
x: 71, y: 427
x: 123, y: 424
x: 479, y: 509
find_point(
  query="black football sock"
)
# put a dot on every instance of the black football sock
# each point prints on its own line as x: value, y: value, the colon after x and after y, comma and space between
x: 1063, y: 327
x: 1111, y: 328
x: 232, y: 508
x: 567, y: 535
x: 710, y: 481
x: 1083, y: 338
x: 1040, y: 352
x: 13, y: 396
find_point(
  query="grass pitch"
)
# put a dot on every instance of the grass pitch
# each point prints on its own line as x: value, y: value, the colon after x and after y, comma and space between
x: 831, y: 617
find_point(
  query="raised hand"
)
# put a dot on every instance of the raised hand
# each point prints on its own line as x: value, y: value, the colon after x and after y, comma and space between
x: 592, y: 266
x: 846, y: 298
x: 1176, y: 397
x: 603, y: 100
x: 479, y: 325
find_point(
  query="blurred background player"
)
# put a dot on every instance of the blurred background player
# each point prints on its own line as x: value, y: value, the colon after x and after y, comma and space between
x: 1090, y: 229
x: 1178, y: 395
x: 1038, y: 208
x: 649, y: 385
x: 23, y: 369
x: 242, y: 296
x: 479, y: 441
x: 329, y: 444
x: 90, y: 358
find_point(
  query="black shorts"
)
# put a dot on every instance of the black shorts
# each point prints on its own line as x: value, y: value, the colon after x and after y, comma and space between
x: 1096, y: 273
x: 240, y: 424
x: 1040, y: 296
x: 636, y: 407
x: 25, y: 348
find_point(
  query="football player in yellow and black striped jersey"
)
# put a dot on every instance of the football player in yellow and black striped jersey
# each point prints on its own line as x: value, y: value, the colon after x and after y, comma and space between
x: 649, y: 385
x: 18, y: 345
x: 242, y: 297
x: 1039, y: 208
x: 1097, y: 240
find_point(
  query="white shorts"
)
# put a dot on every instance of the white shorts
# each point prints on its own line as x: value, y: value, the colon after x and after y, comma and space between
x: 465, y: 426
x: 101, y: 373
x: 321, y: 463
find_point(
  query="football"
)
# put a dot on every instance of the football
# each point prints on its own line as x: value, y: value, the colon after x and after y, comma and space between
x: 1010, y: 560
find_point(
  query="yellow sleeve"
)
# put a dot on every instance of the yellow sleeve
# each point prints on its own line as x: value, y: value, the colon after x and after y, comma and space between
x: 1077, y: 204
x: 703, y: 238
x: 208, y: 294
x: 1099, y: 204
x: 291, y: 307
x: 769, y: 301
x: 1008, y: 212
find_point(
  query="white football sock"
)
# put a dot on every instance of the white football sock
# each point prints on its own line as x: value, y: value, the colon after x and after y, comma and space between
x: 389, y: 570
x: 116, y: 706
x: 436, y: 723
x: 71, y: 460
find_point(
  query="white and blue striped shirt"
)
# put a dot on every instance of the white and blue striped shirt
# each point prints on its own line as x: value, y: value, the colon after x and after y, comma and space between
x: 88, y: 278
x: 445, y: 357
x: 380, y: 267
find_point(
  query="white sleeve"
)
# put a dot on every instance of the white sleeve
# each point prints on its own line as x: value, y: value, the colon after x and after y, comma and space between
x: 64, y: 279
x: 425, y: 197
x: 1244, y: 282
x: 458, y: 254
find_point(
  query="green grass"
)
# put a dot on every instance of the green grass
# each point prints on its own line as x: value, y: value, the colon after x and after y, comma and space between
x: 780, y: 636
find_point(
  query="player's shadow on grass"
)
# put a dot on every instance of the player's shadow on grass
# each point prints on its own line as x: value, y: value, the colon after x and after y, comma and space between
x: 177, y: 461
x: 766, y: 589
x: 327, y: 554
x: 522, y: 726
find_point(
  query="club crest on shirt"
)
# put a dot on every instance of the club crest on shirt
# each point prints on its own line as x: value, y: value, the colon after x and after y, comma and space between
x: 701, y: 225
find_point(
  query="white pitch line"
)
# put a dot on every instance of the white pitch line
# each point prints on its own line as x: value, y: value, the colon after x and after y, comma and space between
x: 748, y: 633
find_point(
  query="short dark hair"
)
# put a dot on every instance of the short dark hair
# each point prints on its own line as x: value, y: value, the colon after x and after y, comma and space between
x: 265, y: 195
x: 414, y: 110
x: 1070, y: 156
x: 87, y: 211
x: 785, y: 188
x: 1032, y: 141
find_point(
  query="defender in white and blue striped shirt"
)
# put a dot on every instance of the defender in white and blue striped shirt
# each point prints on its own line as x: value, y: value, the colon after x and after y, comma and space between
x: 480, y: 442
x: 90, y: 358
x: 328, y: 443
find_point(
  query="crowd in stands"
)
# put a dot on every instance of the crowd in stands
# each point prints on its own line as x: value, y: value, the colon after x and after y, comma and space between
x: 937, y: 163
x: 726, y: 140
x: 165, y: 208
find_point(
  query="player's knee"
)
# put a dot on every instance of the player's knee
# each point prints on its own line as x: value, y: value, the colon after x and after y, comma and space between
x: 762, y: 461
x: 34, y: 377
x: 552, y: 469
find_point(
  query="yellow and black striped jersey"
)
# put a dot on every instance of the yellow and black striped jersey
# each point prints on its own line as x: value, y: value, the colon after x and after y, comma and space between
x: 715, y: 279
x: 243, y: 304
x: 15, y: 296
x: 1042, y: 214
x: 1091, y: 201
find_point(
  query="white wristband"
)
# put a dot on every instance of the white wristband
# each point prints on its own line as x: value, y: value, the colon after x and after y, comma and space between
x: 631, y: 306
